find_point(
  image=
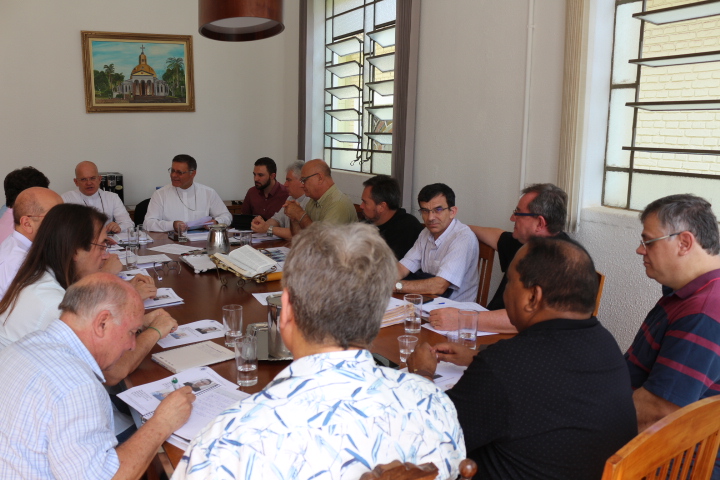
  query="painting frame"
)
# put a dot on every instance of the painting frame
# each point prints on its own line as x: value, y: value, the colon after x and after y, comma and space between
x: 142, y: 90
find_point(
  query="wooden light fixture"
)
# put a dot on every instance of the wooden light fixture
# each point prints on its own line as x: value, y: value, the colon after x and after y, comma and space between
x: 240, y: 20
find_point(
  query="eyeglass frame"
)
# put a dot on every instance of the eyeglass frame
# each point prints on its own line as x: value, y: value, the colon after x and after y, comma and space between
x: 105, y: 245
x: 172, y: 170
x: 305, y: 179
x: 644, y: 243
x: 437, y: 210
x: 516, y: 213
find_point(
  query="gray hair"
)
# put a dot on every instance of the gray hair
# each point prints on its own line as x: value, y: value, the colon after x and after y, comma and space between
x: 685, y: 212
x: 296, y: 168
x: 339, y: 280
x: 551, y: 203
x: 86, y: 299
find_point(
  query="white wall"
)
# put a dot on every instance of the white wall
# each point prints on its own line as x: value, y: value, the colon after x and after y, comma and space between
x: 246, y: 98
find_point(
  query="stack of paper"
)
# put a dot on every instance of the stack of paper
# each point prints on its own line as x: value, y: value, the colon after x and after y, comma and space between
x: 199, y: 263
x: 165, y: 297
x: 130, y: 274
x: 174, y: 248
x: 213, y: 395
x: 193, y: 332
x: 396, y: 312
x: 147, y: 260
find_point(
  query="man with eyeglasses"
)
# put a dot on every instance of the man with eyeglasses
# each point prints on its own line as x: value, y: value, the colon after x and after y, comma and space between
x: 327, y: 203
x: 540, y: 212
x: 675, y: 357
x: 443, y: 260
x: 30, y: 208
x: 183, y: 200
x: 87, y: 179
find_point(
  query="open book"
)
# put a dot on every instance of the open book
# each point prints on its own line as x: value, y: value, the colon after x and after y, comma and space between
x: 247, y: 261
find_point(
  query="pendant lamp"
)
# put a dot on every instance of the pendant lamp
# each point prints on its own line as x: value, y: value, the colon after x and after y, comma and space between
x: 240, y: 20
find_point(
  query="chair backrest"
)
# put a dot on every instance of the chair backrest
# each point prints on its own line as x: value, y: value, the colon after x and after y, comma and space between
x: 601, y: 284
x: 485, y: 265
x: 669, y: 448
x: 141, y: 211
x: 397, y: 470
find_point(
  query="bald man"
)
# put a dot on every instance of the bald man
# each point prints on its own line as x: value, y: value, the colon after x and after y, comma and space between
x: 30, y: 208
x: 327, y: 203
x: 87, y: 179
x: 57, y: 418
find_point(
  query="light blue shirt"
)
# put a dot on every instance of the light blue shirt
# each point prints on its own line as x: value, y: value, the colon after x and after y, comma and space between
x: 56, y: 416
x: 453, y: 256
x: 329, y: 416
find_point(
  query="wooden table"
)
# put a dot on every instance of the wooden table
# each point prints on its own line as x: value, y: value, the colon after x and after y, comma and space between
x: 204, y: 297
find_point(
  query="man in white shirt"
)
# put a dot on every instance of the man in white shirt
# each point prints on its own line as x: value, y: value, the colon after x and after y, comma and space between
x: 444, y: 259
x: 87, y: 179
x: 184, y: 200
x: 29, y: 210
x: 279, y: 224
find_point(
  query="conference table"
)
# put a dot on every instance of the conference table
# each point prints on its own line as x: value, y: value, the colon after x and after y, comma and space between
x: 204, y: 296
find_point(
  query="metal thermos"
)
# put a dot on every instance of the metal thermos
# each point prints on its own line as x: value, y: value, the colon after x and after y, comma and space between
x: 218, y: 241
x: 276, y: 346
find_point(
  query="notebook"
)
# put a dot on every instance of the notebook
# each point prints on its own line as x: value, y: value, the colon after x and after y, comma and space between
x: 195, y: 355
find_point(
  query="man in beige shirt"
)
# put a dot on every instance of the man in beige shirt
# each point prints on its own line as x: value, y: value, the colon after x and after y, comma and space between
x: 327, y: 203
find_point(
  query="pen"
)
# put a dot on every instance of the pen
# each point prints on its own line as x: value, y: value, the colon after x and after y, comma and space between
x: 175, y: 383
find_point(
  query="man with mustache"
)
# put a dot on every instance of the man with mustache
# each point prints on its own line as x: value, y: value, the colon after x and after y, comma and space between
x: 268, y: 195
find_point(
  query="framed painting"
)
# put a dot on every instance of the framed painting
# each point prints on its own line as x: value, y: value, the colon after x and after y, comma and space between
x: 138, y: 72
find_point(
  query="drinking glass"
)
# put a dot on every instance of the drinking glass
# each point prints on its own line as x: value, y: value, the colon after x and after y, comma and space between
x: 467, y: 328
x: 182, y: 232
x: 131, y: 257
x: 142, y: 235
x: 133, y: 237
x: 246, y: 360
x: 232, y: 321
x: 413, y: 316
x: 245, y: 238
x: 231, y: 337
x: 407, y: 346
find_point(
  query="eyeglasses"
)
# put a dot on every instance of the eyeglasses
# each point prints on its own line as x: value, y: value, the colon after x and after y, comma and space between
x: 437, y: 210
x: 88, y: 179
x: 178, y: 172
x: 165, y: 268
x: 645, y: 243
x: 35, y: 216
x: 104, y: 246
x: 518, y: 213
x: 305, y: 179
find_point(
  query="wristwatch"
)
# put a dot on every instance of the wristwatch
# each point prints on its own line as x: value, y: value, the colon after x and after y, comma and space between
x: 269, y: 231
x: 398, y: 286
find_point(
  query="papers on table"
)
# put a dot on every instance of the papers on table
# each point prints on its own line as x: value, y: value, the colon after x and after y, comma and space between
x: 213, y: 394
x: 396, y: 312
x: 174, y: 248
x: 444, y: 332
x: 262, y: 297
x: 122, y: 237
x: 278, y: 254
x: 148, y: 260
x: 256, y: 237
x: 165, y: 297
x: 193, y: 332
x: 130, y: 274
x: 446, y: 375
x: 200, y: 262
x: 440, y: 302
x: 197, y: 236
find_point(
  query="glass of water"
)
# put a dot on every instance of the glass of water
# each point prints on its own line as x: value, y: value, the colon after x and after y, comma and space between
x: 413, y: 316
x: 467, y: 328
x: 131, y: 257
x: 407, y: 345
x: 246, y: 360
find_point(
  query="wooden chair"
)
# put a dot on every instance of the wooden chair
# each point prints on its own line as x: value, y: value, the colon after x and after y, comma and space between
x: 485, y: 265
x: 682, y: 445
x: 601, y: 284
x: 397, y: 470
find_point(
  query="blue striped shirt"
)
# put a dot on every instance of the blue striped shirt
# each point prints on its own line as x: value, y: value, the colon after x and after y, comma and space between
x: 56, y: 416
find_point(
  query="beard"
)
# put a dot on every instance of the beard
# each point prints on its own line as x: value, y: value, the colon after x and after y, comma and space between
x: 262, y: 186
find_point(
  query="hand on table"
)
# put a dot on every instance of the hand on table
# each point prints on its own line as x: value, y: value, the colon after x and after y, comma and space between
x: 422, y: 361
x: 444, y: 318
x: 144, y: 285
x: 174, y: 410
x: 454, y: 353
x: 259, y: 225
x: 113, y: 227
x: 161, y: 320
x: 112, y: 265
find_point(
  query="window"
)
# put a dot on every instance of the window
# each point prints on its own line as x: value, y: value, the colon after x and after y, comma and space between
x: 359, y: 85
x: 664, y: 125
